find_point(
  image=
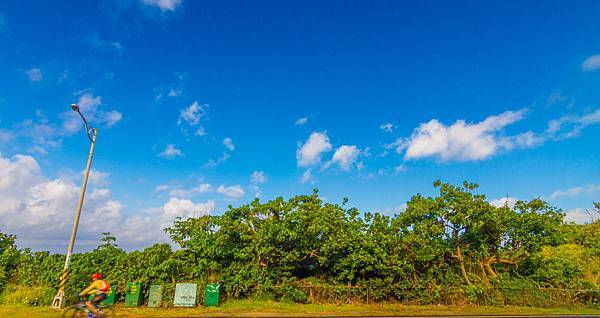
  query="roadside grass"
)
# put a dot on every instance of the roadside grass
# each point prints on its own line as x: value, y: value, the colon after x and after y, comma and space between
x: 255, y: 308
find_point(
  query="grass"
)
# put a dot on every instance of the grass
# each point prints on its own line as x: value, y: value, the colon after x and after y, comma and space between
x: 254, y: 308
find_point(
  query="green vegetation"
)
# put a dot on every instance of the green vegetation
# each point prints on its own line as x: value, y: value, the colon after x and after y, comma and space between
x: 252, y: 308
x: 451, y: 249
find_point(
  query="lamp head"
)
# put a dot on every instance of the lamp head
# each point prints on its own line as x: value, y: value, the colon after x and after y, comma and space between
x: 75, y: 107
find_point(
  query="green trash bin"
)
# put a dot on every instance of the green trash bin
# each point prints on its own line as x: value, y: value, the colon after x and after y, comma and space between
x: 212, y: 295
x: 134, y: 295
x: 155, y: 296
x: 110, y: 297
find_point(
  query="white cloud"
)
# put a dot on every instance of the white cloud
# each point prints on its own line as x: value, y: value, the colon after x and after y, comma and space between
x: 34, y: 75
x: 185, y: 208
x: 228, y: 143
x: 592, y: 63
x: 178, y: 191
x: 571, y: 126
x: 387, y: 127
x: 233, y: 192
x: 575, y: 191
x: 500, y: 202
x: 43, y: 135
x: 399, y: 169
x: 98, y: 178
x: 163, y: 5
x: 174, y: 92
x: 6, y: 135
x: 212, y: 163
x: 162, y: 187
x: 345, y: 156
x: 148, y: 226
x: 309, y: 153
x: 192, y: 114
x: 90, y: 106
x: 171, y: 152
x: 40, y: 210
x: 106, y: 45
x: 301, y: 121
x: 200, y: 132
x: 461, y: 141
x: 258, y: 177
x: 112, y: 117
x: 578, y: 215
x: 307, y: 177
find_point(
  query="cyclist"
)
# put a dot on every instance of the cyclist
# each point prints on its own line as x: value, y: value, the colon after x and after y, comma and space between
x: 99, y: 289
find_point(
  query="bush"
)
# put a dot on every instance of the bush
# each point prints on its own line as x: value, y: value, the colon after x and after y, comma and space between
x: 27, y: 295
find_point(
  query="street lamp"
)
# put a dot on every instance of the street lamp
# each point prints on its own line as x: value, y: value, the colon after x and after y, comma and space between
x: 91, y: 134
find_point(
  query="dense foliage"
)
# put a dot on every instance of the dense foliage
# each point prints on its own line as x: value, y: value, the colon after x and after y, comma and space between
x: 452, y: 248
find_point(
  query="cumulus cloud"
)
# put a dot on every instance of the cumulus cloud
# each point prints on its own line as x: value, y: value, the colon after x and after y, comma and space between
x: 170, y: 152
x: 163, y: 5
x: 34, y: 75
x: 39, y: 210
x: 192, y: 114
x: 592, y: 63
x: 463, y: 141
x: 309, y: 153
x: 345, y: 156
x: 148, y: 226
x: 387, y: 127
x: 301, y: 121
x: 228, y: 143
x: 576, y: 191
x: 233, y: 192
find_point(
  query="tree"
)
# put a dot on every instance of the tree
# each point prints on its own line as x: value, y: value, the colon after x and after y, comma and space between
x: 9, y: 255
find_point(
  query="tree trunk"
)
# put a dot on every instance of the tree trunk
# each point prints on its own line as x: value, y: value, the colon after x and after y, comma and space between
x: 484, y: 277
x: 488, y: 266
x: 461, y: 261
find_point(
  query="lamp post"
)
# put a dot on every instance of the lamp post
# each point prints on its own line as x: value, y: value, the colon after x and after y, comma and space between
x: 91, y: 134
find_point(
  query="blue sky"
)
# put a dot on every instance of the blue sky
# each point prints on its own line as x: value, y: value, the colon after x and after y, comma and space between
x: 202, y: 104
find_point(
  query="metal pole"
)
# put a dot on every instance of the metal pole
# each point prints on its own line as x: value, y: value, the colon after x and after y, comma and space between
x: 59, y: 298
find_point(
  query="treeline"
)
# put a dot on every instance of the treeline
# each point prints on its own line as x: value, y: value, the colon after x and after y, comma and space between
x: 453, y: 248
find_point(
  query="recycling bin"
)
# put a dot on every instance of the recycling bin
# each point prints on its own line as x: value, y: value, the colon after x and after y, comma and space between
x: 134, y: 295
x: 110, y: 297
x: 155, y: 296
x: 185, y: 295
x: 212, y: 295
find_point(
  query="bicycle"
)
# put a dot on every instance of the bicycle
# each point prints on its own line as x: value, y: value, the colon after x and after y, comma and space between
x: 80, y: 310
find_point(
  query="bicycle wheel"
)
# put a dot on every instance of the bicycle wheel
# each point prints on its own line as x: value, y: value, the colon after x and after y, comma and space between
x: 74, y: 312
